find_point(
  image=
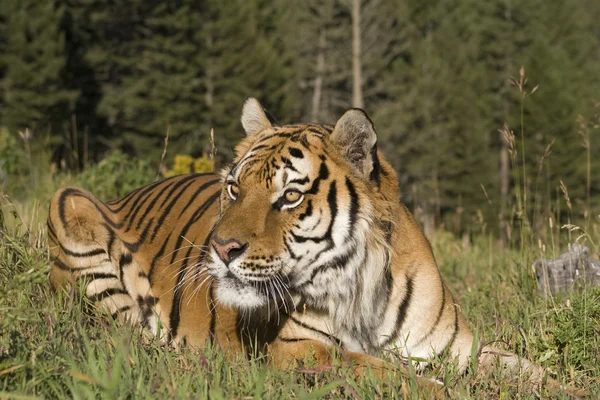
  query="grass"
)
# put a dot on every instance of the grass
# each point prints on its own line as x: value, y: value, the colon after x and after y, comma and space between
x: 51, y: 348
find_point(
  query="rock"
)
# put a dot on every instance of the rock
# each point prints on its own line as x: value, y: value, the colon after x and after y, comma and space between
x: 570, y: 268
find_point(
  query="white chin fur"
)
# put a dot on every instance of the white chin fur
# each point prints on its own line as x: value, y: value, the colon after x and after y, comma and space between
x: 238, y: 296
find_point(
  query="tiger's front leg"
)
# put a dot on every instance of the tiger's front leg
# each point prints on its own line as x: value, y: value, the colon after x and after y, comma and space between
x: 307, y: 336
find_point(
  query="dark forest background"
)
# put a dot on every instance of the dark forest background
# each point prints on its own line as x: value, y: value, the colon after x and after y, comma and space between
x: 81, y: 79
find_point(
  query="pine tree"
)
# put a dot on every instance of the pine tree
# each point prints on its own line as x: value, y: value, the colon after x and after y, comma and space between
x: 241, y: 56
x: 34, y: 62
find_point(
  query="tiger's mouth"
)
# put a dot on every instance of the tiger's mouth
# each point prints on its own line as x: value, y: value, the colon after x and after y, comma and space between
x: 245, y: 288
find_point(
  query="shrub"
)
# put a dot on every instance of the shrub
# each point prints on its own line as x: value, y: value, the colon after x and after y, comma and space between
x: 116, y: 175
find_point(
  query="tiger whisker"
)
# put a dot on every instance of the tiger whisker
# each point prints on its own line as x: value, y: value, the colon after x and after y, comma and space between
x: 201, y: 247
x: 285, y: 286
x: 271, y: 290
x: 276, y: 284
x: 280, y: 285
x: 264, y: 285
x: 178, y: 285
x: 193, y: 273
x: 190, y: 278
x: 175, y: 251
x: 185, y: 268
x: 197, y: 288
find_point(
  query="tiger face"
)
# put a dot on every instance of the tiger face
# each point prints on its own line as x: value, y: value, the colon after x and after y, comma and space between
x: 297, y: 211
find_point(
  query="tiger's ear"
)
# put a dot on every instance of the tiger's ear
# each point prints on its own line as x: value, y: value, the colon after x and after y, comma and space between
x: 355, y: 138
x: 254, y: 119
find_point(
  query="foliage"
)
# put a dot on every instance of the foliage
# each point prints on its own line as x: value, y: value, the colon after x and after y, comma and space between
x: 116, y: 175
x: 34, y: 59
x: 577, y: 333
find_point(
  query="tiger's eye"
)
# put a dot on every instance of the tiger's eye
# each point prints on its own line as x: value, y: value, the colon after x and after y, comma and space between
x: 233, y: 190
x: 292, y: 196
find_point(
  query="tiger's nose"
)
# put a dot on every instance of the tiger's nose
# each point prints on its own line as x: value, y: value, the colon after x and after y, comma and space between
x: 228, y: 250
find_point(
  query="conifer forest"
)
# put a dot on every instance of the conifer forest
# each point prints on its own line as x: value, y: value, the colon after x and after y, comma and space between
x: 478, y: 143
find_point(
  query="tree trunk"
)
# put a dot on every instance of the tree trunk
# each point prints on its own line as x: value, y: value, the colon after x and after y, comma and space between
x: 357, y: 95
x: 316, y: 100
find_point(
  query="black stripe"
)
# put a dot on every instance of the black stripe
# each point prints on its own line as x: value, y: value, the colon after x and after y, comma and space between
x: 294, y: 152
x: 308, y: 211
x: 129, y: 197
x: 315, y: 129
x: 136, y: 194
x: 328, y: 128
x: 166, y: 212
x: 151, y: 206
x: 289, y: 249
x: 327, y: 335
x: 276, y: 135
x: 332, y: 202
x: 69, y: 252
x: 97, y: 275
x: 302, y: 140
x: 300, y: 181
x: 195, y: 217
x: 196, y: 193
x: 175, y: 316
x: 183, y: 180
x: 455, y: 333
x: 323, y: 175
x: 288, y: 163
x: 354, y: 205
x: 136, y: 206
x: 125, y: 260
x: 120, y: 310
x: 205, y: 206
x: 376, y: 165
x: 183, y: 184
x: 156, y: 257
x: 106, y: 293
x: 261, y: 146
x: 78, y: 193
x: 439, y: 316
x: 111, y: 240
x: 338, y: 262
x: 289, y: 340
x: 51, y: 229
x: 61, y: 265
x: 91, y: 253
x: 401, y: 316
x: 134, y: 246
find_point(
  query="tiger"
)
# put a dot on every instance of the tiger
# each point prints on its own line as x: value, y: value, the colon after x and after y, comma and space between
x: 301, y: 248
x: 140, y: 259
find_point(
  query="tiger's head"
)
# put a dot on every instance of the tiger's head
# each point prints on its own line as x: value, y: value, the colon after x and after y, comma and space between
x: 303, y: 209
